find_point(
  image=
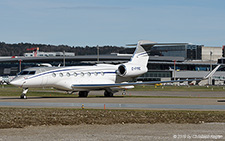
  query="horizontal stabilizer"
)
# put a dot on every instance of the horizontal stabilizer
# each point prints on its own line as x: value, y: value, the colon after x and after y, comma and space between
x: 146, y: 43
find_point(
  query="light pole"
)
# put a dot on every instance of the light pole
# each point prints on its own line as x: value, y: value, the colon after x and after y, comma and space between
x: 97, y: 53
x: 64, y: 59
x: 174, y: 70
x: 210, y: 78
x: 20, y: 66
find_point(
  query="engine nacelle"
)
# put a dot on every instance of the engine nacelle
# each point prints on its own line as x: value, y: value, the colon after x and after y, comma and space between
x: 131, y: 70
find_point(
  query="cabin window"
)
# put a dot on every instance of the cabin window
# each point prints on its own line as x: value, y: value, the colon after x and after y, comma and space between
x: 82, y: 74
x: 89, y: 74
x: 53, y: 74
x: 68, y: 74
x: 75, y: 74
x: 102, y: 73
x: 95, y: 73
x: 61, y: 75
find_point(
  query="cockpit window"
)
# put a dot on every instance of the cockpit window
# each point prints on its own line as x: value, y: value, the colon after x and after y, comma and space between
x: 23, y: 72
x: 27, y: 73
x: 31, y: 72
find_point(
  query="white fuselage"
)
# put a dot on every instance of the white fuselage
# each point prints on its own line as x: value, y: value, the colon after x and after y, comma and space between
x: 85, y: 78
x: 64, y: 77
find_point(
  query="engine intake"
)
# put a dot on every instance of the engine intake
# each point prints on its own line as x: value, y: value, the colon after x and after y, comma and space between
x: 121, y: 70
x: 131, y: 70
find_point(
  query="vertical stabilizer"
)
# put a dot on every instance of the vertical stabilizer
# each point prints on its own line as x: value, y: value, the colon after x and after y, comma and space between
x: 140, y: 56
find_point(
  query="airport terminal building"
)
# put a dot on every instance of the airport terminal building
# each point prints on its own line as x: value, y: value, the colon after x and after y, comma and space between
x: 165, y: 62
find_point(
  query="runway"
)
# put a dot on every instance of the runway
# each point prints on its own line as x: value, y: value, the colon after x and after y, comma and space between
x: 197, y: 102
x: 113, y: 105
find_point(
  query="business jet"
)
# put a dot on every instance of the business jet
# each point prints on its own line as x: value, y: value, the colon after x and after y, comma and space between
x: 83, y: 79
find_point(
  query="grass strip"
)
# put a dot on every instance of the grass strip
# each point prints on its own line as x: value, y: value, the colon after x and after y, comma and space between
x: 10, y: 90
x: 23, y: 117
x: 180, y: 88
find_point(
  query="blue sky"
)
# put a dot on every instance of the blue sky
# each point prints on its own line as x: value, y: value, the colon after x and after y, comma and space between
x: 112, y: 22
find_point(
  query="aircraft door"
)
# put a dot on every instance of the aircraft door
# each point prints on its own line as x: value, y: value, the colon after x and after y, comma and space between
x: 44, y: 78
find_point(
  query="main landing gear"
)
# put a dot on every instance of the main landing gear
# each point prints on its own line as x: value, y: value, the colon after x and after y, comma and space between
x: 124, y: 92
x: 23, y: 95
x: 108, y: 93
x: 83, y: 93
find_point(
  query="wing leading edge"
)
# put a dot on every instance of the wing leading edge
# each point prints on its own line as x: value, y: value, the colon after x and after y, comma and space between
x: 102, y: 86
x: 111, y: 85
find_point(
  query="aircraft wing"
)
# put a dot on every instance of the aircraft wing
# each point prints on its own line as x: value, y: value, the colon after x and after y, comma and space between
x: 110, y: 85
x: 102, y: 86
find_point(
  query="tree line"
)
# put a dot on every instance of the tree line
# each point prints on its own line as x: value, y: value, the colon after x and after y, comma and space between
x: 20, y: 48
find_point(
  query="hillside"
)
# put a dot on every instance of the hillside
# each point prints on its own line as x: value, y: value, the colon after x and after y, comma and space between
x: 21, y: 48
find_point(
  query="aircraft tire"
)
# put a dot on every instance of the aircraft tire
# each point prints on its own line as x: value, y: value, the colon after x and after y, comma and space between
x: 23, y: 96
x: 108, y: 94
x: 83, y: 93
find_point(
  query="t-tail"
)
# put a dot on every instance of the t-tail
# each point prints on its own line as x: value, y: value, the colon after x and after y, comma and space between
x: 138, y: 63
x: 140, y: 56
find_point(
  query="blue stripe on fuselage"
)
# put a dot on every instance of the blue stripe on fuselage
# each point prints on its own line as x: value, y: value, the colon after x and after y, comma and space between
x: 63, y: 71
x: 50, y: 72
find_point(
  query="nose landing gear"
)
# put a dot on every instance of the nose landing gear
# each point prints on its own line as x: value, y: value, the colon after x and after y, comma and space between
x: 23, y: 95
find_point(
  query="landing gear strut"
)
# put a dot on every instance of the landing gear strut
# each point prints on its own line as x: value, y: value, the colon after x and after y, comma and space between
x: 124, y: 92
x: 83, y: 93
x: 23, y: 95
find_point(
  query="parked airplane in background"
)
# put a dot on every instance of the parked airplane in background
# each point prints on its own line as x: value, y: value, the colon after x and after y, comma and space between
x: 83, y: 79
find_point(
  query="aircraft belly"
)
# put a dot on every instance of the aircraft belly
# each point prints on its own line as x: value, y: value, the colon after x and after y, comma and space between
x: 63, y: 84
x: 100, y: 80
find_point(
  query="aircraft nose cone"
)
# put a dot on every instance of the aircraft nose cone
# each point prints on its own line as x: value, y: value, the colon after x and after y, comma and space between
x: 15, y: 83
x: 12, y: 82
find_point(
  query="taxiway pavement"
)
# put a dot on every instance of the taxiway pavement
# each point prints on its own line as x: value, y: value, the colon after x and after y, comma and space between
x: 193, y: 101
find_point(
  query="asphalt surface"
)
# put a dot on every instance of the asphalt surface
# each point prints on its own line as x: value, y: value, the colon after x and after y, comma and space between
x: 194, y: 101
x: 174, y: 93
x: 159, y: 93
x: 125, y: 103
x: 131, y: 132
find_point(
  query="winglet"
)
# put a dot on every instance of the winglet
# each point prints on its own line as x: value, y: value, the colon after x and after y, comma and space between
x: 212, y: 72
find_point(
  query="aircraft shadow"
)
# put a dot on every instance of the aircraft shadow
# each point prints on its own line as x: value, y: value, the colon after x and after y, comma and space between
x: 51, y: 97
x: 220, y: 100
